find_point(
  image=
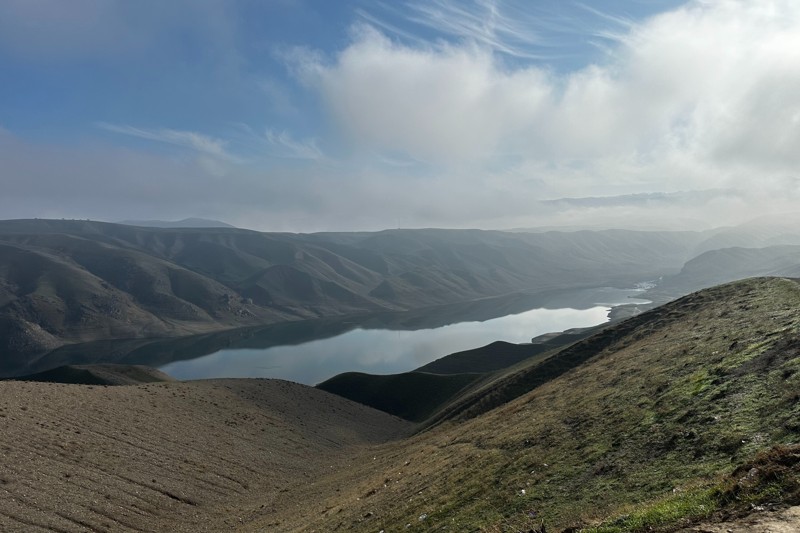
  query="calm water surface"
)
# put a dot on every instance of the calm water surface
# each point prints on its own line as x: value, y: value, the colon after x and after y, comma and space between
x: 387, y: 351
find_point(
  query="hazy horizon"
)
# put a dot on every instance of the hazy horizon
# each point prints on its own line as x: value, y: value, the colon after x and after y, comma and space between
x: 307, y: 115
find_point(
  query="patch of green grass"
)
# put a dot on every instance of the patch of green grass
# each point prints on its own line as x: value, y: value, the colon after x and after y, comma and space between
x: 771, y: 477
x: 691, y: 505
x: 749, y: 352
x: 699, y: 381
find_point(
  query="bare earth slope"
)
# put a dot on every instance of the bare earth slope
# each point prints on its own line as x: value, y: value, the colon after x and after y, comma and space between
x: 195, y: 456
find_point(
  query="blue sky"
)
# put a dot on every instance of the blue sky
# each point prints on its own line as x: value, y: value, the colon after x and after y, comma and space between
x: 303, y: 115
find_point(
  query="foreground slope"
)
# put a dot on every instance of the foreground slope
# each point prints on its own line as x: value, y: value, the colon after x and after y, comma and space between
x: 196, y: 456
x: 666, y: 408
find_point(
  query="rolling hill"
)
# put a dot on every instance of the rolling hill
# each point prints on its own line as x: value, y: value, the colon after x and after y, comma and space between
x: 191, y: 222
x: 169, y: 456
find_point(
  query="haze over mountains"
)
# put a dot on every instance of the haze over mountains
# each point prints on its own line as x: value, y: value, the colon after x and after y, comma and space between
x: 191, y: 222
x: 67, y: 281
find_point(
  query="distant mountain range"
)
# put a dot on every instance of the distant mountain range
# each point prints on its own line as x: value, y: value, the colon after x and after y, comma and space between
x: 68, y: 281
x: 185, y: 223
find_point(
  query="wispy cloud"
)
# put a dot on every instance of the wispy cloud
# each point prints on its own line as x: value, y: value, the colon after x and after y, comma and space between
x: 187, y: 139
x: 485, y: 22
x: 276, y: 144
x: 288, y: 147
x: 616, y: 30
x: 669, y: 109
x: 388, y: 27
x: 516, y: 28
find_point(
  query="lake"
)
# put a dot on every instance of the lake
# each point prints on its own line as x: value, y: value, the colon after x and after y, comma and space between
x: 396, y: 345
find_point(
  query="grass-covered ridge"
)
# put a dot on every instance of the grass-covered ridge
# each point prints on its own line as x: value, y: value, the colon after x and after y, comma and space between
x: 662, y: 412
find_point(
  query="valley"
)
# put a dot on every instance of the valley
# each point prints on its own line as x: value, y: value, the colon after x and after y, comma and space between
x: 65, y: 282
x: 449, y: 266
x: 609, y: 427
x: 646, y: 415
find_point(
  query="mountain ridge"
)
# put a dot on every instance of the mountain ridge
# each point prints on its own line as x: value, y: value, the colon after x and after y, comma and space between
x: 76, y: 281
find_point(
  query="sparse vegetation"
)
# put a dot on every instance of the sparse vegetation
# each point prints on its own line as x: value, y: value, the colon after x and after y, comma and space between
x: 687, y: 412
x: 771, y: 478
x: 666, y: 512
x: 649, y: 421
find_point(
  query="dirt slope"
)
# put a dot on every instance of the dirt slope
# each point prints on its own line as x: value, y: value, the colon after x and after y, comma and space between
x: 195, y: 456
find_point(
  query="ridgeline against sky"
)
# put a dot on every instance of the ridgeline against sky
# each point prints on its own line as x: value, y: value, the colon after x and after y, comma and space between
x: 307, y: 115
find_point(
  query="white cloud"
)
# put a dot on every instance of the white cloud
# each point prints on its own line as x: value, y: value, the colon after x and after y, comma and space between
x: 286, y: 146
x: 187, y: 139
x: 431, y: 103
x: 706, y: 95
x: 462, y: 132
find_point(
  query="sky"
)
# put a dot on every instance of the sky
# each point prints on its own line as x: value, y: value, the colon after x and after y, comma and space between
x: 320, y: 115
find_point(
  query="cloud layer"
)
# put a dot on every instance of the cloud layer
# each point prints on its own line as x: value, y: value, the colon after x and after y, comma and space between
x: 707, y: 95
x: 469, y: 128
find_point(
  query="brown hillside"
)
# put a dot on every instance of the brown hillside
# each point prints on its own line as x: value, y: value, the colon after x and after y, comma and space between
x: 198, y: 456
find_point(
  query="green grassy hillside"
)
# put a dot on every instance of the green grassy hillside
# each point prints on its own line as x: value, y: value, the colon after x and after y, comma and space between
x: 647, y: 421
